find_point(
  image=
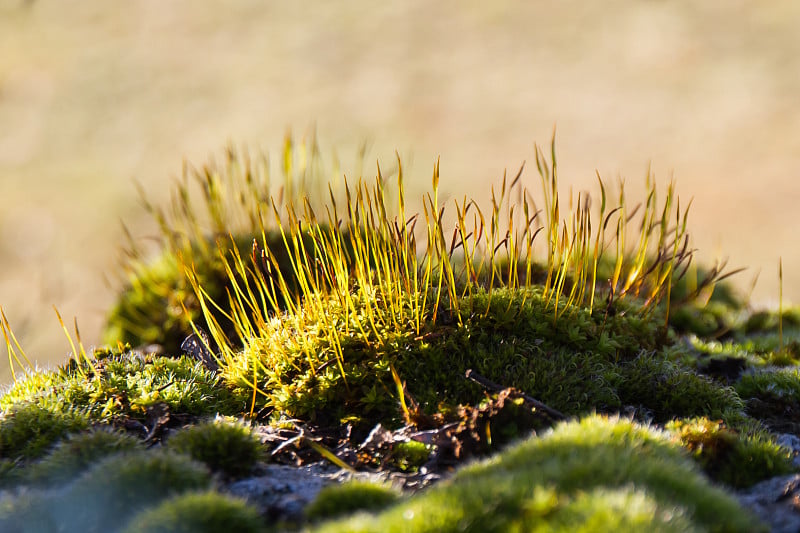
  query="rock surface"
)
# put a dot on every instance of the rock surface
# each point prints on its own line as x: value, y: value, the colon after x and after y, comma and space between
x: 776, y: 502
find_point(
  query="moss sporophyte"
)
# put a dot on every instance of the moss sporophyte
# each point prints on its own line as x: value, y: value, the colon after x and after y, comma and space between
x: 338, y: 313
x: 322, y: 306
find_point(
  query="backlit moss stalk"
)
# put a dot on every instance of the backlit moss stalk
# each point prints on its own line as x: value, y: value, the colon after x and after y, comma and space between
x: 229, y: 196
x: 574, y: 252
x: 13, y: 348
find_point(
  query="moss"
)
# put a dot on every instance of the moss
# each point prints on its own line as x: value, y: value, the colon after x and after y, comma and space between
x: 692, y: 288
x: 158, y: 305
x: 374, y: 309
x: 410, y: 455
x: 772, y: 395
x: 669, y: 390
x: 769, y: 321
x: 76, y: 453
x: 199, y: 512
x: 125, y: 385
x: 107, y: 495
x: 577, y: 476
x: 118, y: 487
x: 229, y: 448
x: 704, y: 320
x: 582, y: 362
x: 28, y: 430
x: 31, y: 514
x: 349, y: 497
x: 737, y: 458
x: 771, y: 382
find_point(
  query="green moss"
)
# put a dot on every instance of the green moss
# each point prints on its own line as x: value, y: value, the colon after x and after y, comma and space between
x: 577, y: 476
x: 120, y: 486
x: 125, y: 385
x: 410, y: 455
x: 75, y: 453
x: 107, y: 495
x: 669, y: 390
x: 704, y: 320
x: 226, y: 447
x: 779, y: 383
x: 737, y: 458
x: 28, y: 430
x: 689, y: 289
x: 769, y: 321
x: 158, y: 305
x: 349, y: 497
x: 772, y: 395
x: 582, y: 362
x: 200, y: 512
x: 31, y: 514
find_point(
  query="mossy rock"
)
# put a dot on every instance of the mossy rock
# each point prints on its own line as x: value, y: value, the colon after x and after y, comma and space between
x: 596, y: 474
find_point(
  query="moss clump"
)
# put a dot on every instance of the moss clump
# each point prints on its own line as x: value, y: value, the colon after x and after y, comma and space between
x: 667, y: 389
x: 76, y: 453
x: 584, y: 362
x: 704, y: 320
x: 125, y: 386
x: 158, y: 305
x: 229, y: 448
x: 31, y: 514
x: 772, y: 395
x: 410, y: 455
x: 770, y: 321
x: 28, y: 430
x: 120, y: 486
x: 199, y: 512
x: 107, y: 495
x: 736, y: 458
x: 217, y: 209
x: 607, y: 474
x: 349, y: 497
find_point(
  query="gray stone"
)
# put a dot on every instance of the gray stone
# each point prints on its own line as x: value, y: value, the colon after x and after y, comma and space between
x: 283, y: 492
x: 791, y: 443
x: 776, y: 502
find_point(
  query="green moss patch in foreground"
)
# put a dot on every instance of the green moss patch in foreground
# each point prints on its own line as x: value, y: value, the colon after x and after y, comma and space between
x: 597, y: 474
x: 199, y: 512
x: 107, y: 495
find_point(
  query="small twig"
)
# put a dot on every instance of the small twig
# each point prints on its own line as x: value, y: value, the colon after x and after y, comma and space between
x: 495, y: 387
x: 162, y: 388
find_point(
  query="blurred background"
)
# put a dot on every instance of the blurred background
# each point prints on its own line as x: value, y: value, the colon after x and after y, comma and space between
x: 95, y: 95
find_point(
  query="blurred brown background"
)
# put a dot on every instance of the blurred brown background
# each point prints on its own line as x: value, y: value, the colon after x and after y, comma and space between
x: 96, y: 94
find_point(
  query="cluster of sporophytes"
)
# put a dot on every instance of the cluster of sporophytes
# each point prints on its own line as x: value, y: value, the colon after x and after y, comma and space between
x: 210, y: 204
x: 567, y: 302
